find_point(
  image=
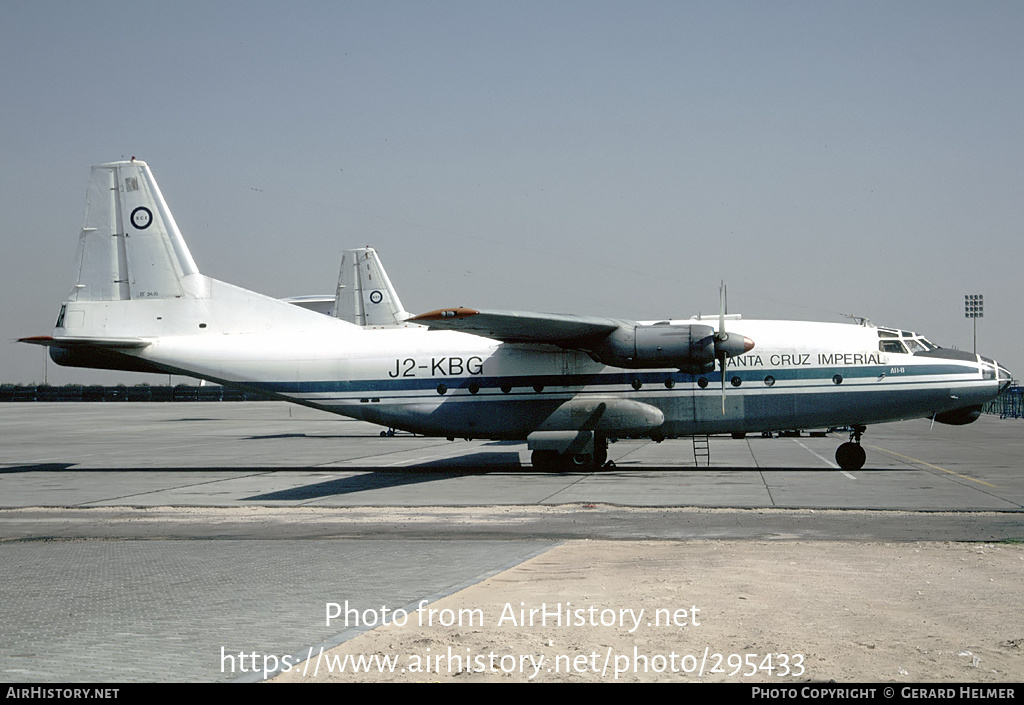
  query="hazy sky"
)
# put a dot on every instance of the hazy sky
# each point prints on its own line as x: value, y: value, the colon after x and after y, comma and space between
x: 604, y: 158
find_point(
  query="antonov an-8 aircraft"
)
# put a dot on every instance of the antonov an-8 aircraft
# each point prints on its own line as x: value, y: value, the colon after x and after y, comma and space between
x: 566, y: 384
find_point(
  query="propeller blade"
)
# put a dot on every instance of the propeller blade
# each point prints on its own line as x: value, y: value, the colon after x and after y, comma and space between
x: 721, y: 312
x: 721, y: 336
x: 723, y: 384
x: 727, y: 346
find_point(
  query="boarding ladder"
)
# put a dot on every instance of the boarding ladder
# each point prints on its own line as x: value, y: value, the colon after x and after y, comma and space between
x: 701, y: 451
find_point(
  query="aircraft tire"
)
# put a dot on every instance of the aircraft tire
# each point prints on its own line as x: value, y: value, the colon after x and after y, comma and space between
x: 581, y: 460
x: 850, y: 456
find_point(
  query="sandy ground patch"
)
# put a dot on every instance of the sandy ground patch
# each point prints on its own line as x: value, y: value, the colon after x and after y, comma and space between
x: 843, y: 611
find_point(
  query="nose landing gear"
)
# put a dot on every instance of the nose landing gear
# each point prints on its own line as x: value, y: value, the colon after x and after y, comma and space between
x: 851, y: 455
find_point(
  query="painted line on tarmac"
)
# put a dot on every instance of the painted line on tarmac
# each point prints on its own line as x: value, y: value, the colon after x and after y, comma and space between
x: 824, y: 459
x: 936, y: 467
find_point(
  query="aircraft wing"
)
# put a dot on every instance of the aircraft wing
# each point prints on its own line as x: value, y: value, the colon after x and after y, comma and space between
x: 689, y: 347
x: 522, y: 326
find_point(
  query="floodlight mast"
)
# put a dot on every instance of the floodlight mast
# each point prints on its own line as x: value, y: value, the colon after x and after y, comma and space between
x: 974, y: 308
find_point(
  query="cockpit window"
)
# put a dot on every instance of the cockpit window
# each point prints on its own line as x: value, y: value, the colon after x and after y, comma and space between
x: 916, y: 344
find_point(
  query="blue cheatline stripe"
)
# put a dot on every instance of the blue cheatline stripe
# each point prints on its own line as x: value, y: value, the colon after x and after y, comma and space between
x: 625, y: 378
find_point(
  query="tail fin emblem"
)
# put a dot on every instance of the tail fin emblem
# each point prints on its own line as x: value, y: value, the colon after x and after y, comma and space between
x: 141, y: 218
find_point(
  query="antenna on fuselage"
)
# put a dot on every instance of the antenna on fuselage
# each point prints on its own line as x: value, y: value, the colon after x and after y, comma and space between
x: 861, y: 320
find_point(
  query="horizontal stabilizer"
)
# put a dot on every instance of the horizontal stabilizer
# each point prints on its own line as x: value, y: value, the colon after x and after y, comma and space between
x: 314, y: 302
x: 84, y: 342
x: 97, y: 353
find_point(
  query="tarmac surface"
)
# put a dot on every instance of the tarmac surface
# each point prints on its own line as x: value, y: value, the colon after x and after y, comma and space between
x: 157, y: 542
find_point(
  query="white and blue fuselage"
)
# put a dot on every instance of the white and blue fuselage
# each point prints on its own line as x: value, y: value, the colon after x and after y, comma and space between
x: 799, y: 375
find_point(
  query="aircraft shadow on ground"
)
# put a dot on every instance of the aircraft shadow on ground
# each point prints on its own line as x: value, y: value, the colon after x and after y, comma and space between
x: 308, y: 436
x: 369, y: 478
x: 39, y: 467
x: 372, y: 478
x: 376, y: 478
x: 336, y: 436
x: 473, y: 464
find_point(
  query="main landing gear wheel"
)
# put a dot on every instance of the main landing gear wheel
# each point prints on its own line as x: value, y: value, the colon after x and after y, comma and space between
x: 851, y: 455
x: 553, y: 461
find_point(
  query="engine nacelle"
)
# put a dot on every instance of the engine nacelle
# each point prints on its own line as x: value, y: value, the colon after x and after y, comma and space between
x: 690, y: 348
